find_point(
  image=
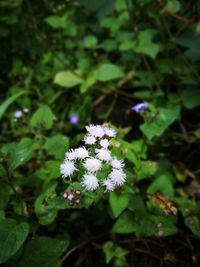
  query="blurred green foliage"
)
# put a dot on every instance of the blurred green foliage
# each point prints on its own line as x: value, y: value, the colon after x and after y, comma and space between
x: 97, y: 59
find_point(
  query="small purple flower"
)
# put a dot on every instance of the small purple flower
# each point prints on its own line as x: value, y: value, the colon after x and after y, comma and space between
x: 74, y: 119
x: 141, y: 106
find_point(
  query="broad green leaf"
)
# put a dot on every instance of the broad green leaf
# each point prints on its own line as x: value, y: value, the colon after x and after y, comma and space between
x: 43, y: 251
x: 44, y: 206
x: 67, y: 79
x: 129, y: 152
x: 136, y: 204
x: 163, y: 183
x: 57, y: 146
x: 197, y: 133
x: 125, y: 224
x: 12, y: 236
x: 193, y: 224
x: 56, y: 21
x: 118, y: 203
x: 188, y: 38
x: 43, y: 117
x: 20, y: 152
x: 90, y: 41
x: 49, y: 171
x: 191, y: 98
x: 172, y: 6
x: 167, y: 224
x: 8, y: 102
x: 146, y: 170
x: 145, y: 44
x: 161, y: 122
x: 107, y: 72
x: 109, y: 250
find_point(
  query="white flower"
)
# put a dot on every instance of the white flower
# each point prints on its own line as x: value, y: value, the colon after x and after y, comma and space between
x: 109, y: 184
x: 90, y: 182
x: 117, y: 164
x: 95, y: 130
x: 103, y: 154
x: 67, y: 168
x: 18, y: 114
x: 92, y: 164
x: 109, y: 132
x: 71, y: 155
x: 117, y: 176
x: 89, y: 140
x: 104, y: 143
x: 26, y: 110
x: 81, y: 153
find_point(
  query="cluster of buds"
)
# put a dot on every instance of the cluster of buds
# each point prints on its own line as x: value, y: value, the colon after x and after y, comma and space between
x: 93, y: 156
x: 73, y: 196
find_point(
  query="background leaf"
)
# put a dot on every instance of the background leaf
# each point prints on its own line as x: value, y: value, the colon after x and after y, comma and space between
x: 43, y: 251
x: 67, y: 79
x: 12, y: 236
x: 43, y: 117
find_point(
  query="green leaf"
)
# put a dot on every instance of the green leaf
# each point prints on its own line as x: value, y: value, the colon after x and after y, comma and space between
x: 44, y: 206
x: 20, y: 152
x: 90, y: 41
x: 146, y: 170
x: 162, y: 121
x: 56, y: 22
x: 50, y: 170
x: 43, y: 251
x: 125, y: 224
x: 12, y: 236
x: 67, y: 79
x: 118, y: 203
x: 57, y: 146
x: 188, y: 38
x: 163, y: 183
x: 191, y: 98
x: 136, y: 204
x: 43, y: 117
x: 107, y: 72
x: 145, y: 44
x: 172, y: 6
x: 109, y: 250
x: 193, y: 224
x: 8, y: 102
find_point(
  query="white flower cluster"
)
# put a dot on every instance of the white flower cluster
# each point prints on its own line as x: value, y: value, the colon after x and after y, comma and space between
x: 97, y: 153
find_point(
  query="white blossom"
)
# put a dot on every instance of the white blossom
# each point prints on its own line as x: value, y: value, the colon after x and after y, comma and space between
x: 26, y: 110
x: 117, y: 164
x: 81, y: 153
x: 89, y: 140
x: 95, y: 130
x: 117, y: 176
x: 109, y: 184
x: 92, y: 164
x: 109, y: 132
x: 103, y: 154
x: 90, y: 182
x: 71, y: 155
x: 104, y: 143
x: 18, y: 114
x: 67, y: 168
